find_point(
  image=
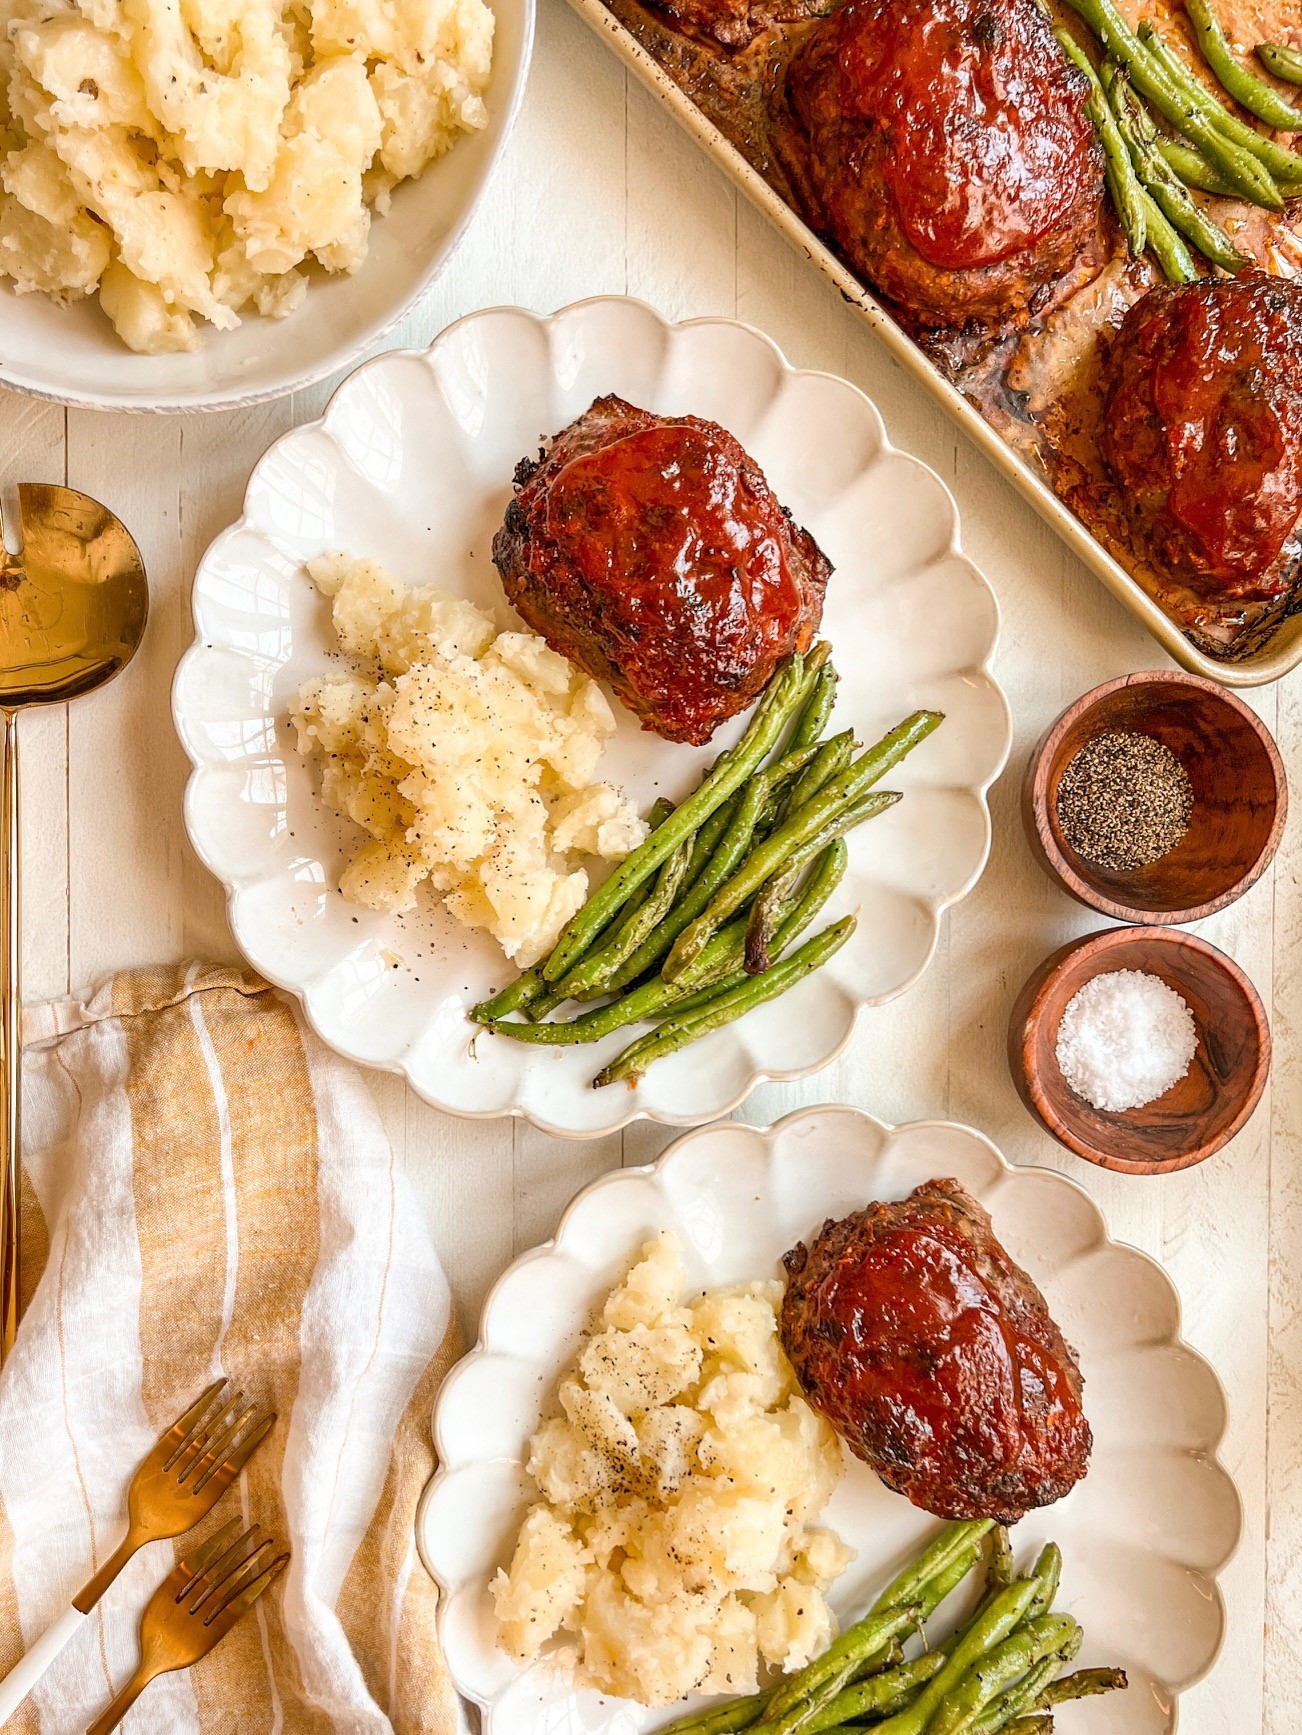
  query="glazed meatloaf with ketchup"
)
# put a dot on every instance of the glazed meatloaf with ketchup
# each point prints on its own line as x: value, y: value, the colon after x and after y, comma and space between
x: 1202, y: 431
x: 651, y: 551
x: 944, y: 147
x: 935, y: 1357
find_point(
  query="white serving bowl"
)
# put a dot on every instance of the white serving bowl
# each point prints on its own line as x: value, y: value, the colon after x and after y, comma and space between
x: 72, y: 354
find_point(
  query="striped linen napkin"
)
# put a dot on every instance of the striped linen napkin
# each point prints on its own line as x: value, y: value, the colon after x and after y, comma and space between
x: 208, y: 1191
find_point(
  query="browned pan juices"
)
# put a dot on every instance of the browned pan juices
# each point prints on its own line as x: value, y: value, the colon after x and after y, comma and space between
x: 1038, y: 385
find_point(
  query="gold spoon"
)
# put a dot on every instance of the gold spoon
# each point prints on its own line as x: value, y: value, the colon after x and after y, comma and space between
x: 72, y: 611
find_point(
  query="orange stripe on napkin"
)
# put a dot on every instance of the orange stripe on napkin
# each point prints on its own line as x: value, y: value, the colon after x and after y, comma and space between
x: 34, y: 1241
x: 274, y: 1170
x: 180, y: 1219
x: 395, y: 1640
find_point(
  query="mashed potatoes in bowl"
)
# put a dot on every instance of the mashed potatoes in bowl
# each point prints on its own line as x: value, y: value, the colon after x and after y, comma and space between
x: 213, y: 203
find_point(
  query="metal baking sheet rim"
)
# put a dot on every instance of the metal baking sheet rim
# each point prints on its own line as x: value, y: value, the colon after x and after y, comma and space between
x: 1284, y: 651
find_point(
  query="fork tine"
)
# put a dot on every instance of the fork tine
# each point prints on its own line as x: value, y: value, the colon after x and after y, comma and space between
x: 233, y: 1606
x: 188, y: 1425
x: 233, y: 1582
x: 198, y: 1561
x: 213, y: 1423
x: 216, y: 1571
x: 224, y: 1474
x: 215, y: 1448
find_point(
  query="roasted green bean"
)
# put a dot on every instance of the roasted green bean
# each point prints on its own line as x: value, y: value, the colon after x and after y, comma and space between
x: 1244, y: 171
x: 1194, y: 169
x: 1282, y: 165
x: 1245, y: 87
x: 1285, y: 63
x: 1026, y: 1696
x: 832, y: 756
x: 1167, y: 243
x: 593, y: 973
x: 1083, y: 1685
x: 878, y: 1696
x: 818, y: 708
x: 1000, y: 1572
x: 782, y: 698
x: 797, y: 829
x: 727, y: 1006
x: 727, y: 1719
x: 1002, y: 1666
x: 953, y: 1542
x: 1118, y: 170
x: 1163, y: 184
x: 990, y: 1627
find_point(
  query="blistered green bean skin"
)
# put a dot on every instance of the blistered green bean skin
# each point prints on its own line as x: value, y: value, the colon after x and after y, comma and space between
x: 1245, y: 87
x: 1245, y: 173
x: 1283, y: 165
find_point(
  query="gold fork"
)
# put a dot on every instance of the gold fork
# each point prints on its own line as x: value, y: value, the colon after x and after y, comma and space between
x: 178, y: 1484
x: 194, y: 1609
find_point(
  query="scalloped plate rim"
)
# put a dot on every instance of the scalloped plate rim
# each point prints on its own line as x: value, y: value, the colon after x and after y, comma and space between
x: 398, y: 1064
x: 768, y: 1135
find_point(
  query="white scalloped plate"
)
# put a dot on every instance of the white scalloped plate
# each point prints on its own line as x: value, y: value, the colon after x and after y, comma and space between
x: 1144, y: 1535
x: 412, y: 463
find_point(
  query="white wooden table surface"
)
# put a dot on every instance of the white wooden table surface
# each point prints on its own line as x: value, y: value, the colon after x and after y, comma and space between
x: 600, y: 192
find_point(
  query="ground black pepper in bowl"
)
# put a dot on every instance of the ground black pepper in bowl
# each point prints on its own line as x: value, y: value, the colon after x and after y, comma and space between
x: 1124, y: 801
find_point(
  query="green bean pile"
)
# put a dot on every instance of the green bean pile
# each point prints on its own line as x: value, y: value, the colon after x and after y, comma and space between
x: 1149, y: 173
x: 1001, y: 1671
x: 698, y: 925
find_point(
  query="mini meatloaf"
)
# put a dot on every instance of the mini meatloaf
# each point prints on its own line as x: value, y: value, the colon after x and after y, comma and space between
x: 935, y: 1358
x: 651, y: 551
x: 944, y: 147
x: 1202, y: 431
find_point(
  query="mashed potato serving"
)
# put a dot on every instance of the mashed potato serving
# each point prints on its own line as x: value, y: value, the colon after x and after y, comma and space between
x: 674, y: 1541
x: 467, y: 754
x: 188, y: 158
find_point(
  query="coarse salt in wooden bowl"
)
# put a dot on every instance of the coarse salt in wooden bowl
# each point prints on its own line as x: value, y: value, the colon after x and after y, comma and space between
x: 1240, y: 797
x: 1203, y: 1110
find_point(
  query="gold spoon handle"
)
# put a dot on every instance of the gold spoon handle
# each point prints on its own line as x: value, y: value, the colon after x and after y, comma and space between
x: 10, y: 1007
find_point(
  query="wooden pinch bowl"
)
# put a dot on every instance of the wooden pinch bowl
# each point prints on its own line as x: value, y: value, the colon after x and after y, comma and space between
x: 1239, y: 788
x: 1199, y: 1114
